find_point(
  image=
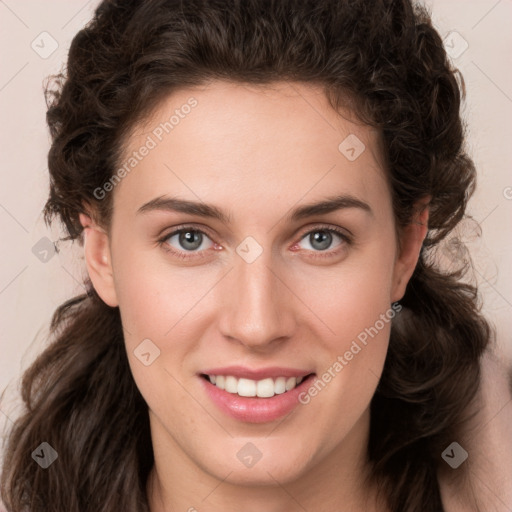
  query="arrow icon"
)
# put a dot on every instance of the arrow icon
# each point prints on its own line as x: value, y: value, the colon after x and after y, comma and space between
x: 146, y: 352
x: 44, y: 44
x: 249, y: 455
x: 249, y: 253
x: 44, y: 455
x: 44, y: 250
x: 454, y: 455
x: 351, y: 147
x: 454, y: 44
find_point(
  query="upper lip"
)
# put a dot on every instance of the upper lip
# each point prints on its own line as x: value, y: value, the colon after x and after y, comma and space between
x: 242, y: 372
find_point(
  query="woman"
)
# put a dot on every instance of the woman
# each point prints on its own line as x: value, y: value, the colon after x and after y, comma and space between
x: 306, y: 351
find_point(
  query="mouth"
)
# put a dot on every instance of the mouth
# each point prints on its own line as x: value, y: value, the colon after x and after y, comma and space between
x: 262, y: 388
x: 266, y: 397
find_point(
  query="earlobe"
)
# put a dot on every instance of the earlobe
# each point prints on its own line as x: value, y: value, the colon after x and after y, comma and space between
x: 98, y: 260
x: 411, y: 239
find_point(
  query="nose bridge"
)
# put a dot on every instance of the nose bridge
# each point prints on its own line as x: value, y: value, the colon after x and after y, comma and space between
x: 258, y: 310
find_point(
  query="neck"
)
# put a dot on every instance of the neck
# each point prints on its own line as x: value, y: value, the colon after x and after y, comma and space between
x: 336, y: 483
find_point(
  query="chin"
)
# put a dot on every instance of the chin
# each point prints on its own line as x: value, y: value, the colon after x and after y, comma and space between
x: 250, y: 466
x: 261, y: 475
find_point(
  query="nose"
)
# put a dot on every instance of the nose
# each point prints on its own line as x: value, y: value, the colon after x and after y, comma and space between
x: 257, y: 311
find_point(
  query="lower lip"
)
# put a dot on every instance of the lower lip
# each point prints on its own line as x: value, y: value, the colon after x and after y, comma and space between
x: 255, y: 409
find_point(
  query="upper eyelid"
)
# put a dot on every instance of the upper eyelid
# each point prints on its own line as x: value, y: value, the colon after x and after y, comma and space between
x: 176, y: 230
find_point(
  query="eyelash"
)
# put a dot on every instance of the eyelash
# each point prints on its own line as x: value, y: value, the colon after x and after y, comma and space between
x: 201, y: 254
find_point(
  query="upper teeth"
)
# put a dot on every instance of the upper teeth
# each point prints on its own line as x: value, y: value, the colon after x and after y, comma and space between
x: 264, y: 388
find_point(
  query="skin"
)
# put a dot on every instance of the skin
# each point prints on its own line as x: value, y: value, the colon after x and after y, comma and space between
x: 255, y: 152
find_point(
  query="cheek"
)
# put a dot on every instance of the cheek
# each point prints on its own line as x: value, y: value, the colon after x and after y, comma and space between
x: 161, y: 304
x: 351, y: 296
x: 351, y: 368
x: 153, y: 302
x: 152, y: 295
x: 353, y: 302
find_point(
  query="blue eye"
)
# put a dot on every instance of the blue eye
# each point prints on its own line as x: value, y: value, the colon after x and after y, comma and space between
x: 190, y: 242
x: 190, y: 239
x: 321, y: 239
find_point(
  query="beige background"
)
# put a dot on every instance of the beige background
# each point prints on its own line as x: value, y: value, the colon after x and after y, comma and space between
x: 31, y: 289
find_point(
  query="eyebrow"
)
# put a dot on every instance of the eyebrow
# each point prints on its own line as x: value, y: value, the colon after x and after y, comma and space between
x: 330, y: 204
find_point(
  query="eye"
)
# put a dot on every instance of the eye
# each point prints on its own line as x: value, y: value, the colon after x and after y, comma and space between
x: 190, y: 242
x: 321, y: 238
x: 187, y: 240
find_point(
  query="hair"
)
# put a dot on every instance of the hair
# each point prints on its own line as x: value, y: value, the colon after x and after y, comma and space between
x: 386, y: 61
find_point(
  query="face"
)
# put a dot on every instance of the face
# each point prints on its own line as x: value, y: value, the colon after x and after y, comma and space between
x: 264, y: 296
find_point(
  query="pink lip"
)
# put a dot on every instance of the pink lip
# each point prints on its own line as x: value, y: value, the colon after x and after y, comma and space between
x: 255, y: 409
x: 241, y: 372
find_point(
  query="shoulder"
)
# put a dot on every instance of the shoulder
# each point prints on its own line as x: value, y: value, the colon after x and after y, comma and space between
x: 483, y: 481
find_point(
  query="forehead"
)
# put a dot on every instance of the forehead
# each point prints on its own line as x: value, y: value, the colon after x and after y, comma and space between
x: 232, y: 141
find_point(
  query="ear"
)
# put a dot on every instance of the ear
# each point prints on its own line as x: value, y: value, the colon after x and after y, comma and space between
x: 411, y: 241
x: 98, y: 260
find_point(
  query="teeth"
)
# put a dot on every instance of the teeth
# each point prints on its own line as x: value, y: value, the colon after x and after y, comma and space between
x: 246, y: 387
x: 264, y: 388
x: 231, y: 385
x: 220, y: 381
x: 291, y: 382
x: 280, y: 385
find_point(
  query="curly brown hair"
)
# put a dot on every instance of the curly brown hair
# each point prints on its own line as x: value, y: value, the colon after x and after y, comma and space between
x: 388, y: 59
